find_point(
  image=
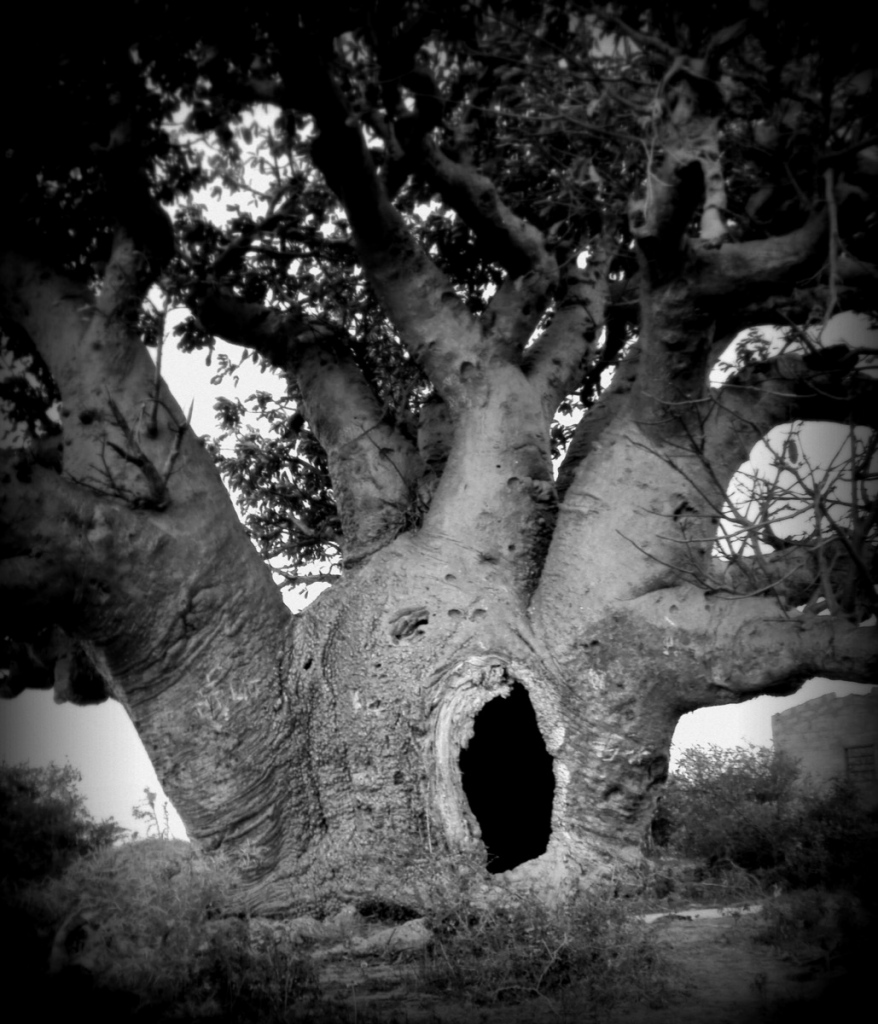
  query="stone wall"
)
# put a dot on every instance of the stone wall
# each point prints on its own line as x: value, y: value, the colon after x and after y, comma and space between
x: 834, y: 737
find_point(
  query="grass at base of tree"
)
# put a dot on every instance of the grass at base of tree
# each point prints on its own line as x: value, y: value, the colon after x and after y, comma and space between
x: 588, y: 950
x: 144, y: 929
x: 154, y: 928
x: 156, y: 938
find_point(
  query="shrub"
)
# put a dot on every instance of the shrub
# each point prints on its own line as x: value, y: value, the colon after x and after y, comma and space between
x: 141, y: 909
x: 151, y: 919
x: 729, y: 805
x: 44, y: 828
x: 44, y: 825
x: 742, y: 808
x: 832, y: 843
x: 588, y: 949
x: 158, y: 823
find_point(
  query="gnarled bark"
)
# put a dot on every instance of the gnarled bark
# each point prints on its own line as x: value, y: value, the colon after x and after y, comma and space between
x: 339, y: 753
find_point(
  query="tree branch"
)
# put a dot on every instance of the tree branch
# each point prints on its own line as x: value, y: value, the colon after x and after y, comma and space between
x: 751, y: 270
x: 659, y: 216
x: 42, y: 302
x: 823, y: 385
x: 610, y: 407
x: 374, y: 467
x: 48, y: 659
x: 690, y: 174
x: 507, y: 239
x: 744, y: 647
x: 513, y: 313
x: 273, y: 333
x: 144, y: 241
x: 557, y: 361
x: 826, y: 570
x: 433, y: 322
x: 93, y: 350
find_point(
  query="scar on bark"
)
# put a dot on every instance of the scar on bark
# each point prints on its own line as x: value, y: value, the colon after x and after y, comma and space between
x: 408, y: 622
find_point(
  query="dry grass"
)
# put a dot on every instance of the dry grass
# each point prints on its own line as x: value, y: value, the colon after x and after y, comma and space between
x: 149, y: 919
x: 589, y: 949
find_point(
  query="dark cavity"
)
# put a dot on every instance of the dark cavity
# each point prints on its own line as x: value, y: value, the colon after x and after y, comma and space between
x: 508, y: 781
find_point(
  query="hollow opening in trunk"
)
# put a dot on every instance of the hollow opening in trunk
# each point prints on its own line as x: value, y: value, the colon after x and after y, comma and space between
x: 508, y: 780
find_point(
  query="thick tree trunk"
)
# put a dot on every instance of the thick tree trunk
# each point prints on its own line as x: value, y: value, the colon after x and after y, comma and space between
x: 500, y: 670
x: 409, y: 712
x: 495, y: 684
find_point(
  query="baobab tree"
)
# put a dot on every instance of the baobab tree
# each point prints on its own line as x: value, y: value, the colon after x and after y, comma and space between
x: 486, y: 240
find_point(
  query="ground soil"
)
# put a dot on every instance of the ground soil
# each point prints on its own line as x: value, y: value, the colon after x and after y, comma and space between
x: 725, y: 975
x: 722, y: 972
x: 804, y: 957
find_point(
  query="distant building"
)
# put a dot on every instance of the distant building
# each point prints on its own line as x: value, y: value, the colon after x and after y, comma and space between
x: 834, y: 738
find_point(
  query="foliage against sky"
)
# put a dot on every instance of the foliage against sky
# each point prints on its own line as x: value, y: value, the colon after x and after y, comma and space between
x: 557, y: 104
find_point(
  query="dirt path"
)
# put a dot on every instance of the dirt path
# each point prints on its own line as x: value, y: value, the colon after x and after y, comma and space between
x: 725, y: 976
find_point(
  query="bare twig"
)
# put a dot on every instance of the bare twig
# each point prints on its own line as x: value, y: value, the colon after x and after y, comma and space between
x: 158, y: 496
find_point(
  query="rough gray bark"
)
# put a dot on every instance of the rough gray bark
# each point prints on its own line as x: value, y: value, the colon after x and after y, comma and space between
x: 324, y: 749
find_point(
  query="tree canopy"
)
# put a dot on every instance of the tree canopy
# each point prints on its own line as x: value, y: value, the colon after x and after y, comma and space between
x: 499, y: 252
x: 507, y: 143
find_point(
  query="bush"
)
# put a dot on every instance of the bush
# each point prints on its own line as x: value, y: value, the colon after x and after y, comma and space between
x: 742, y: 808
x: 44, y: 828
x: 588, y: 949
x: 729, y: 805
x: 149, y: 919
x: 831, y: 842
x: 44, y: 825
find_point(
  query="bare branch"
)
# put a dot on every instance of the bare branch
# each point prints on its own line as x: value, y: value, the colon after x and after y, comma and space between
x: 432, y: 320
x: 558, y: 359
x: 374, y: 468
x: 819, y: 386
x: 292, y: 579
x: 795, y: 574
x: 506, y: 238
x: 158, y: 495
x: 749, y: 646
x: 752, y: 270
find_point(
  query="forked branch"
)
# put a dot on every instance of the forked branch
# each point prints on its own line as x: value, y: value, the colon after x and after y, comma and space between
x: 375, y: 469
x: 433, y: 322
x: 558, y: 360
